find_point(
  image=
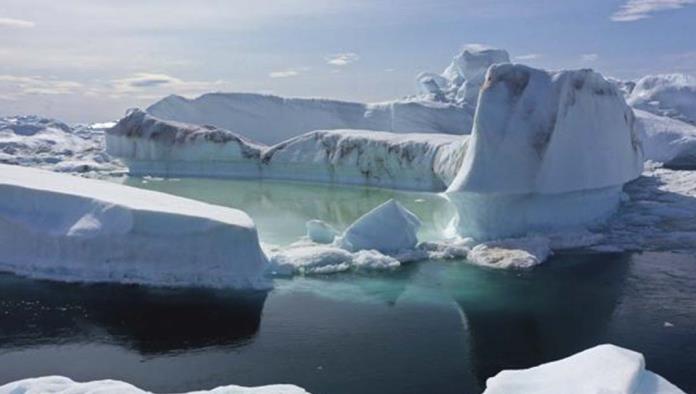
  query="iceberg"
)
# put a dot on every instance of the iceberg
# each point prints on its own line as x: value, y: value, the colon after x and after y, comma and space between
x: 549, y: 150
x: 388, y: 228
x: 601, y: 369
x: 672, y: 95
x: 62, y: 227
x: 152, y: 146
x: 320, y: 232
x: 667, y: 140
x: 272, y: 119
x: 60, y: 384
x: 50, y: 144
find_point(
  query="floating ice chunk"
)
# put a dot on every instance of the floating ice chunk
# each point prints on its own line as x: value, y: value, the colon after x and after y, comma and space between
x: 511, y: 253
x: 60, y: 384
x: 601, y: 369
x: 62, y: 227
x: 325, y: 259
x: 320, y: 232
x: 388, y: 228
x: 672, y: 95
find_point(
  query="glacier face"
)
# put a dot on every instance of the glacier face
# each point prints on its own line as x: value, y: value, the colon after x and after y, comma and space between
x: 151, y: 146
x: 544, y: 144
x: 272, y: 119
x: 62, y: 227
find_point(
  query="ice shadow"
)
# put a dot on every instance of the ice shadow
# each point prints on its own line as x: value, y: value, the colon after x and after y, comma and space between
x: 146, y: 320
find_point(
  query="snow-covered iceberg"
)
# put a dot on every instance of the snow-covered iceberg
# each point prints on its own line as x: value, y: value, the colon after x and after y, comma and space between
x: 667, y: 140
x: 672, y: 95
x: 48, y: 143
x: 151, y: 146
x: 62, y: 227
x: 601, y: 369
x: 60, y: 384
x: 272, y: 119
x: 388, y: 228
x: 548, y: 150
x: 462, y: 79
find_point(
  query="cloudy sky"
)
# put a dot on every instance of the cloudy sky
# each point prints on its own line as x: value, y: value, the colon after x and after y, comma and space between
x: 90, y: 60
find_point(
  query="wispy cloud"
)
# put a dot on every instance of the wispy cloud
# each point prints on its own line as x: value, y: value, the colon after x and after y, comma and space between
x: 529, y: 56
x: 16, y: 23
x: 342, y: 59
x: 25, y: 85
x: 283, y: 74
x: 589, y: 57
x: 635, y: 10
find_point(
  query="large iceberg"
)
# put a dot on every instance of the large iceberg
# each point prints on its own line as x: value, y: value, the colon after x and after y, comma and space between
x: 272, y: 119
x: 60, y: 384
x: 58, y: 226
x: 672, y: 95
x: 601, y: 369
x: 548, y: 150
x: 152, y: 146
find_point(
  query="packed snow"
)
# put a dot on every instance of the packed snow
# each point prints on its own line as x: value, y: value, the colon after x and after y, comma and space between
x: 47, y: 143
x: 671, y: 95
x: 272, y: 119
x: 601, y: 369
x: 63, y: 385
x: 151, y: 146
x: 547, y: 151
x: 62, y: 227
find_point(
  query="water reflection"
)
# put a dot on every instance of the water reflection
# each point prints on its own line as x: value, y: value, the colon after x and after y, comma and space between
x: 280, y: 209
x: 149, y: 321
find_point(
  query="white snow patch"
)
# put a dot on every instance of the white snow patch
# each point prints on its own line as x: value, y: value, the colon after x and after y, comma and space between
x: 63, y: 385
x: 63, y: 227
x: 601, y: 369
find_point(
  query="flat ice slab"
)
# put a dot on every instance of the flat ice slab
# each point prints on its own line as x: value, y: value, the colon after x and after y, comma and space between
x: 60, y: 384
x: 57, y: 226
x: 601, y: 369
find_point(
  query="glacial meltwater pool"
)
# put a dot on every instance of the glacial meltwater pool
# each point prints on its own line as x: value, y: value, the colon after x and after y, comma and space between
x: 433, y: 326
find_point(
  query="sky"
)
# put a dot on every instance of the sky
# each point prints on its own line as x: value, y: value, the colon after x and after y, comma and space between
x: 91, y: 60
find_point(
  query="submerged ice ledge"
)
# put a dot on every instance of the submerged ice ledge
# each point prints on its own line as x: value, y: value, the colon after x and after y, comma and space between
x: 62, y: 227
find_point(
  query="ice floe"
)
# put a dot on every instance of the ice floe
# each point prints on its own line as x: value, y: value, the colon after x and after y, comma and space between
x: 62, y: 227
x: 63, y: 385
x: 601, y: 369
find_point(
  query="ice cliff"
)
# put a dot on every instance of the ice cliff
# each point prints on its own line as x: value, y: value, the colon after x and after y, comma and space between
x: 548, y: 150
x: 62, y: 227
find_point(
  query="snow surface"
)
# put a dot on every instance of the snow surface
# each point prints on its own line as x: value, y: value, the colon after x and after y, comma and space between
x: 62, y: 227
x: 672, y: 95
x: 47, y: 143
x: 601, y: 369
x: 151, y: 146
x: 272, y: 119
x: 666, y: 140
x: 63, y: 385
x: 548, y: 150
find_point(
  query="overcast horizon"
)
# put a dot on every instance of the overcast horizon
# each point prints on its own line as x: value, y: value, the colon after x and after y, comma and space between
x: 85, y: 61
